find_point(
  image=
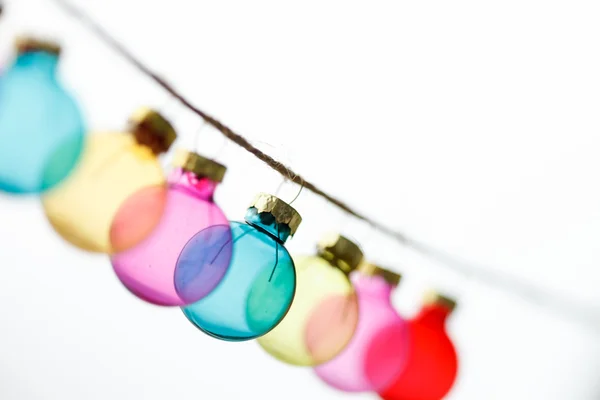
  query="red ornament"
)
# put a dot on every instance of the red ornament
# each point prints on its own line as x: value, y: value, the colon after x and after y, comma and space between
x: 432, y: 362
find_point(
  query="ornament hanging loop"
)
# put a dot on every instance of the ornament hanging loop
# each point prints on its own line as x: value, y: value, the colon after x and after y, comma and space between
x: 197, y: 148
x: 277, y: 156
x: 290, y: 177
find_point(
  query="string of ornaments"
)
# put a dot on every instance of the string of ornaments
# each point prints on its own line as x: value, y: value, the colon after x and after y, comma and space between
x: 171, y: 245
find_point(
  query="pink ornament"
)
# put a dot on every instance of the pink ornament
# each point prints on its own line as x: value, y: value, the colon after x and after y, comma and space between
x: 347, y: 372
x: 154, y: 270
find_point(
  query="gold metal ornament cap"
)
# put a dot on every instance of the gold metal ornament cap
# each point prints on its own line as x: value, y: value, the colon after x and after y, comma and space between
x: 281, y: 211
x: 152, y: 129
x: 433, y: 297
x: 200, y: 166
x: 340, y: 252
x: 370, y: 269
x: 26, y: 44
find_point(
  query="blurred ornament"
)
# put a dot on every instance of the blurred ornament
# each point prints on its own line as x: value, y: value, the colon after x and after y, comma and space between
x: 374, y: 287
x: 41, y: 127
x: 324, y: 313
x: 432, y: 362
x: 116, y: 194
x: 259, y: 287
x: 156, y: 270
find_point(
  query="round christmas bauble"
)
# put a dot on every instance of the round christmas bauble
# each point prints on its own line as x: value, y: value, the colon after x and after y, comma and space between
x: 432, y: 362
x: 259, y: 287
x: 324, y: 314
x: 116, y: 194
x: 41, y: 126
x: 374, y: 286
x: 159, y: 270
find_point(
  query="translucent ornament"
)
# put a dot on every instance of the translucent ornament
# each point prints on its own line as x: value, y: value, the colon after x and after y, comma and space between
x: 159, y: 270
x: 259, y: 287
x: 432, y: 362
x: 41, y: 127
x: 346, y: 372
x: 116, y: 194
x: 324, y: 314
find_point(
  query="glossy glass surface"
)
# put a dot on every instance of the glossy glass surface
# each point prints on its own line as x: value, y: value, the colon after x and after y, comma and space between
x: 321, y: 320
x: 181, y: 261
x: 114, y: 197
x: 41, y: 127
x: 259, y: 286
x: 376, y: 314
x: 432, y: 362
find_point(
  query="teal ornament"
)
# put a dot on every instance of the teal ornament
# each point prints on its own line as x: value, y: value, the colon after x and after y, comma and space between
x: 41, y: 127
x: 259, y: 286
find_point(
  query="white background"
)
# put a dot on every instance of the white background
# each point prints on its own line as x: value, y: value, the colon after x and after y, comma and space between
x: 472, y: 126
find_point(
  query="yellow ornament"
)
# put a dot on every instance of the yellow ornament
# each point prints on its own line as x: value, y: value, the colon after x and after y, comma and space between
x: 116, y: 194
x: 324, y: 314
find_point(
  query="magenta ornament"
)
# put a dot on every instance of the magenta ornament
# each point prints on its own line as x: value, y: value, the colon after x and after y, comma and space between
x: 155, y: 270
x: 347, y: 372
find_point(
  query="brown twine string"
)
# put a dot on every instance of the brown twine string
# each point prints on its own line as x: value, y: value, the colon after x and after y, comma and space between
x: 567, y: 308
x: 219, y: 126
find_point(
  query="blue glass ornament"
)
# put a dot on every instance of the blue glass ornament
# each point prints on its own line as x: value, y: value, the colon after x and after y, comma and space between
x: 41, y: 127
x: 258, y: 289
